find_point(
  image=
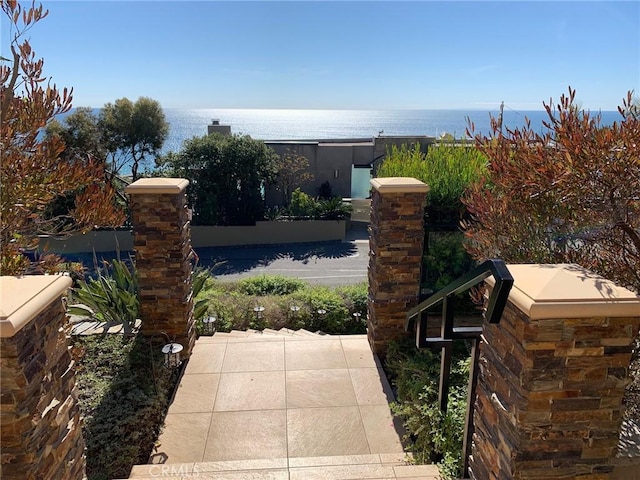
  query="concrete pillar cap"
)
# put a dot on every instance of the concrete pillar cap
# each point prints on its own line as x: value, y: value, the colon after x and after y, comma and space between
x: 568, y: 291
x: 22, y: 298
x: 399, y: 185
x: 156, y: 186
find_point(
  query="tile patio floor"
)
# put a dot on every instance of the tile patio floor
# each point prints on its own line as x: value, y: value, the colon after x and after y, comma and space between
x: 282, y: 406
x: 268, y: 396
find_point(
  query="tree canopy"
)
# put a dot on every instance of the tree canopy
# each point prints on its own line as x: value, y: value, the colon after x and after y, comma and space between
x: 570, y: 195
x: 31, y: 173
x: 227, y: 175
x: 292, y: 172
x: 131, y: 131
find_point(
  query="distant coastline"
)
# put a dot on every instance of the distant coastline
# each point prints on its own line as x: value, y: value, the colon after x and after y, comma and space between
x: 280, y: 124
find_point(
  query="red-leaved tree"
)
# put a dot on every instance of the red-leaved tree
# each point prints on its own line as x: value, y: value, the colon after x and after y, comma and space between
x: 571, y: 194
x: 31, y: 171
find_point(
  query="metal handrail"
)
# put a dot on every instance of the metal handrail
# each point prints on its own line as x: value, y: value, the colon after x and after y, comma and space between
x: 448, y: 333
x: 497, y: 299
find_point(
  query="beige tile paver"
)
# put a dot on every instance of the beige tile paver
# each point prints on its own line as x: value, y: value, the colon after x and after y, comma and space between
x: 314, y: 355
x: 183, y: 439
x: 251, y: 391
x: 286, y: 406
x: 319, y: 388
x: 342, y: 472
x: 325, y: 431
x: 196, y: 393
x: 358, y: 353
x: 382, y: 430
x: 207, y: 358
x: 371, y: 386
x: 247, y: 435
x: 246, y: 475
x: 253, y: 357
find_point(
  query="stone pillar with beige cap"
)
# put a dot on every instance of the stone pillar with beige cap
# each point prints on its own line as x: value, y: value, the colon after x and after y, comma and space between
x: 396, y: 239
x: 40, y: 430
x: 163, y: 254
x: 552, y: 377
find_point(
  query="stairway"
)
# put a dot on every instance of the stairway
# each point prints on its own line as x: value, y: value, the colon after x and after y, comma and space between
x: 282, y: 405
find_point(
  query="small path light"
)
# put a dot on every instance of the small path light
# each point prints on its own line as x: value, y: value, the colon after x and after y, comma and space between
x: 258, y: 309
x: 295, y: 309
x: 210, y: 324
x: 171, y: 352
x: 357, y: 316
x: 319, y: 314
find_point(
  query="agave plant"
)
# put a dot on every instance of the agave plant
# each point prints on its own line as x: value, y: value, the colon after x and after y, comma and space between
x: 111, y: 297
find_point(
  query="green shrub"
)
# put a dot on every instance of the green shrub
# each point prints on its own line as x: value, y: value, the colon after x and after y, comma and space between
x: 233, y: 305
x: 302, y: 205
x: 448, y: 168
x: 356, y: 297
x: 270, y: 285
x: 436, y: 436
x: 315, y: 298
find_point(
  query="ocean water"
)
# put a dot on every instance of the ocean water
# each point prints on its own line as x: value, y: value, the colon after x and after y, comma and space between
x: 280, y: 124
x: 273, y: 124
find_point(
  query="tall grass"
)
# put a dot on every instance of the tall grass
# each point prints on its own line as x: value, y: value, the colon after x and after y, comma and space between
x: 448, y: 168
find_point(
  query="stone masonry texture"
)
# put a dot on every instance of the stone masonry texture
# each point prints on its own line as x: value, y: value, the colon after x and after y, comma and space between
x: 549, y: 397
x: 396, y: 240
x: 40, y: 429
x: 162, y: 244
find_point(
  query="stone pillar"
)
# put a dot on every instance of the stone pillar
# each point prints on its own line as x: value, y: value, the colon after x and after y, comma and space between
x: 162, y: 244
x: 552, y: 377
x: 396, y: 238
x: 40, y: 430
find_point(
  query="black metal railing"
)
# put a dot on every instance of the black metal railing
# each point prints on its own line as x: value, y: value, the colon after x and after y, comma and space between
x: 448, y: 333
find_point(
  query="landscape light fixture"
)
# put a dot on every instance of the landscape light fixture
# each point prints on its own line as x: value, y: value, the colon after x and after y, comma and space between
x: 295, y: 309
x: 210, y: 324
x: 171, y: 352
x: 357, y: 316
x: 258, y: 309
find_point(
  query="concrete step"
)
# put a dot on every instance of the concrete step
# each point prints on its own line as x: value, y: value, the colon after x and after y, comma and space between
x: 286, y: 332
x: 303, y: 332
x: 351, y: 467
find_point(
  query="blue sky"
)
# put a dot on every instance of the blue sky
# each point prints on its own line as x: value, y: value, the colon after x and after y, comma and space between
x: 372, y: 55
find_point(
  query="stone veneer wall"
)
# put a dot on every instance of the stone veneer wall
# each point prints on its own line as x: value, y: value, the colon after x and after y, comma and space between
x: 162, y: 244
x: 40, y: 429
x: 552, y: 377
x: 396, y: 238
